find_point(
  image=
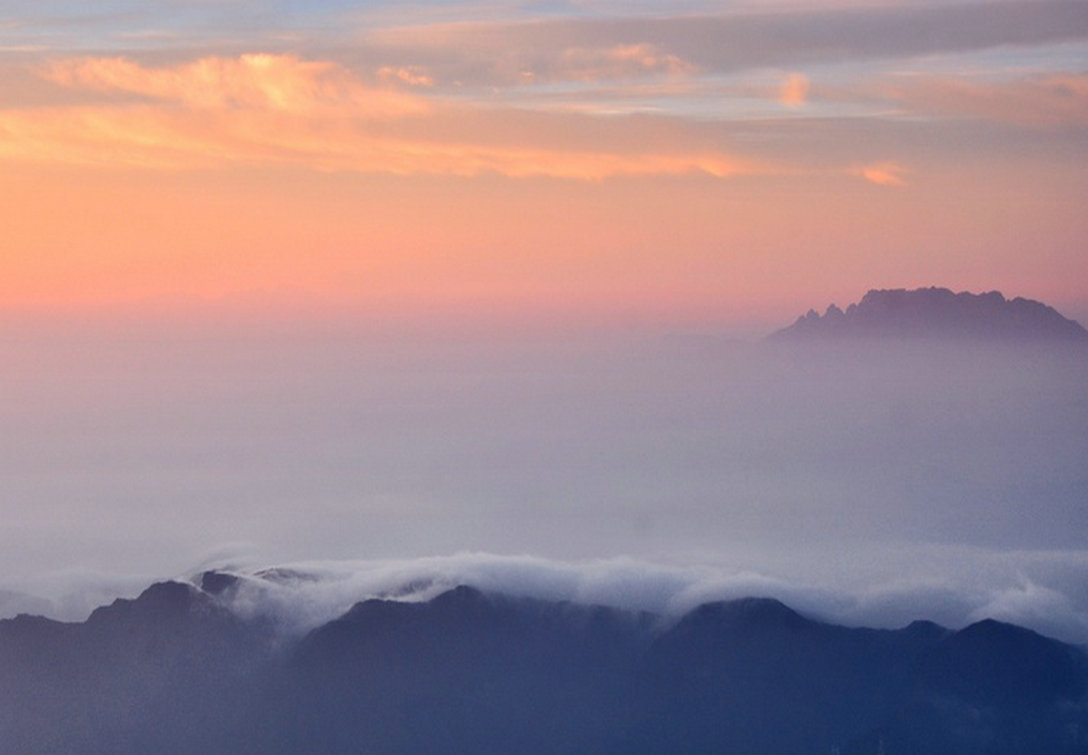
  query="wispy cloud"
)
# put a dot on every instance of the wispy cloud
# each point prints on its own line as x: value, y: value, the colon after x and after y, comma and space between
x: 497, y: 53
x: 618, y: 62
x: 268, y: 109
x: 1046, y: 101
x: 146, y: 137
x: 282, y: 83
x: 279, y: 109
x: 399, y: 99
x: 415, y: 76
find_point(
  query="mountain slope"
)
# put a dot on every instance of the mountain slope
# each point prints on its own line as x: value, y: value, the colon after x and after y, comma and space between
x: 133, y: 678
x: 175, y: 671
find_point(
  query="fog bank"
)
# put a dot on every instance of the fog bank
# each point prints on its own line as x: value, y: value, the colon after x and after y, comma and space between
x: 875, y: 483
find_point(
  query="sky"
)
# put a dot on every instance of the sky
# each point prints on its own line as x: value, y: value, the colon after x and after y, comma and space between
x: 689, y: 162
x: 478, y: 289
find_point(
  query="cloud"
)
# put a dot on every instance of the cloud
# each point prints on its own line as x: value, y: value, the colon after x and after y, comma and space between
x: 794, y: 90
x: 398, y: 101
x: 281, y: 83
x: 497, y: 53
x: 151, y: 138
x: 827, y: 480
x: 303, y: 595
x: 887, y: 173
x: 622, y: 61
x: 69, y: 595
x: 280, y: 110
x: 299, y: 596
x: 411, y: 75
x: 748, y: 34
x: 1043, y: 101
x: 1038, y: 606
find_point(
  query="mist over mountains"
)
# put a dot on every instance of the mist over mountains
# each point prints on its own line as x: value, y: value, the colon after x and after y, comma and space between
x: 850, y: 482
x: 927, y: 313
x: 179, y: 670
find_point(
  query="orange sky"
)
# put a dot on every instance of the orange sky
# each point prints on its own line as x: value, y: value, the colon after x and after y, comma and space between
x: 612, y: 177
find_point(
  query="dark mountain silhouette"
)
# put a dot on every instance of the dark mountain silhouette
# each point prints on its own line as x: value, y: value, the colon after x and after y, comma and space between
x: 134, y: 677
x: 175, y: 671
x: 936, y: 313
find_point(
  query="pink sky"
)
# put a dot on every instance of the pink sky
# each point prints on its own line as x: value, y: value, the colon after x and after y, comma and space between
x: 565, y: 165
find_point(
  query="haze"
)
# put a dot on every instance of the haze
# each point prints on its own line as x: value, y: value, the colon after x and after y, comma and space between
x: 336, y: 281
x: 852, y: 469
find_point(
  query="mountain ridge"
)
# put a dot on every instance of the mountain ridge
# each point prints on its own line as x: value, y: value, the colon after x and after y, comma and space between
x: 936, y: 313
x: 487, y: 672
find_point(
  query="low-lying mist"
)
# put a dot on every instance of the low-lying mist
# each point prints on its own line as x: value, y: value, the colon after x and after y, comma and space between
x: 868, y: 482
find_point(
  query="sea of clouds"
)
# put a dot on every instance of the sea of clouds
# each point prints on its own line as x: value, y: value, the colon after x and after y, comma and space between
x: 865, y: 484
x: 1043, y: 591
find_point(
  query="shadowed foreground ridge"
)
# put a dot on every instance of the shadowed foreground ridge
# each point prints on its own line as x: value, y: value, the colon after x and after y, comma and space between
x: 175, y: 671
x: 937, y: 313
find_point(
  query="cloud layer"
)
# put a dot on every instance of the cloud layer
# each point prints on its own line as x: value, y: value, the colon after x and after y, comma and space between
x: 689, y: 164
x: 299, y: 596
x: 499, y: 52
x: 870, y: 487
x: 268, y: 109
x: 396, y: 99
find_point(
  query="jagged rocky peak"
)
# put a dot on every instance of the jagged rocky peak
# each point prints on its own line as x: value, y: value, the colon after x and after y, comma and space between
x: 937, y: 313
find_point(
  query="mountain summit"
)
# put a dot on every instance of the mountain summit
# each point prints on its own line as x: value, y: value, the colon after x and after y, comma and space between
x: 936, y: 313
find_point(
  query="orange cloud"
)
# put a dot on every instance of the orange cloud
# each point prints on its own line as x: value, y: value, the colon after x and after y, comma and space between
x: 258, y: 81
x: 279, y: 110
x: 410, y: 75
x: 142, y: 136
x: 133, y: 137
x: 269, y: 109
x: 617, y: 62
x: 794, y: 91
x: 882, y: 174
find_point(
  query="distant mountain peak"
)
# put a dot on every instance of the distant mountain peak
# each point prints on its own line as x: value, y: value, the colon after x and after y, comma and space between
x: 936, y: 313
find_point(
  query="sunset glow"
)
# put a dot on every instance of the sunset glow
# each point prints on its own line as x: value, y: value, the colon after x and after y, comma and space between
x: 569, y: 162
x: 736, y: 329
